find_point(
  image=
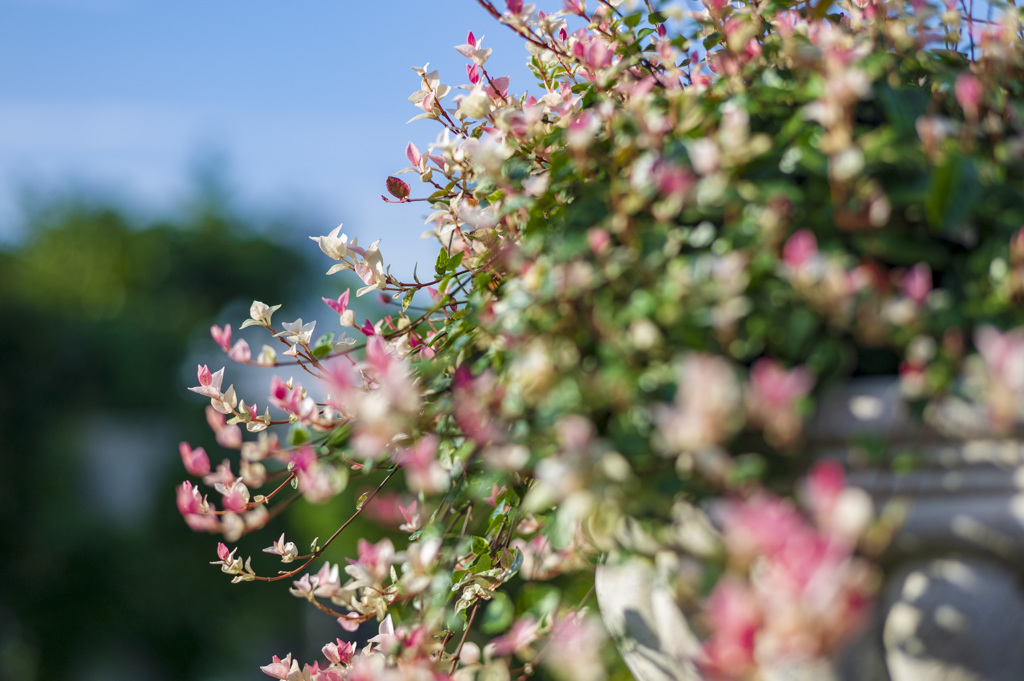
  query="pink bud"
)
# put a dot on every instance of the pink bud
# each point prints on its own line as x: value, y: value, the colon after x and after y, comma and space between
x: 825, y: 483
x: 196, y: 461
x: 413, y: 154
x: 205, y: 376
x: 222, y: 551
x: 471, y: 39
x: 514, y: 6
x: 968, y: 94
x: 917, y: 283
x: 339, y: 305
x: 368, y: 329
x: 221, y: 336
x: 598, y: 240
x: 473, y: 73
x: 397, y: 188
x: 800, y: 249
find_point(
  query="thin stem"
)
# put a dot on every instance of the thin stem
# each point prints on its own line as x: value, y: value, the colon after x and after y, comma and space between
x: 462, y: 642
x: 316, y: 554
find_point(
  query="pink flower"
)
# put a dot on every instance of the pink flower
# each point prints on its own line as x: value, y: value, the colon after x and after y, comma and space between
x: 196, y: 461
x: 598, y: 239
x: 968, y: 94
x: 287, y: 550
x: 735, y: 619
x: 518, y: 639
x: 472, y: 50
x: 411, y: 517
x: 1003, y: 354
x: 327, y: 581
x: 825, y: 483
x: 495, y: 493
x: 190, y: 501
x: 340, y: 652
x: 759, y: 526
x: 772, y: 399
x: 413, y: 154
x: 209, y: 383
x: 235, y: 496
x: 240, y: 352
x: 279, y: 668
x: 346, y: 317
x: 303, y: 458
x: 917, y: 283
x: 777, y: 386
x: 374, y: 562
x: 422, y: 471
x: 800, y: 249
x: 221, y: 336
x: 594, y: 53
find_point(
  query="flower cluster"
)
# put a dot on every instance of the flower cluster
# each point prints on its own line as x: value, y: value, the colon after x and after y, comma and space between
x: 649, y: 269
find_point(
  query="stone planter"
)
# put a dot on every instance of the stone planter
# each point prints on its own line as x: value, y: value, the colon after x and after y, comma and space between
x: 952, y: 606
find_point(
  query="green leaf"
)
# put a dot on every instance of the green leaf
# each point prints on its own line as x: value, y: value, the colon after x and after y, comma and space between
x: 498, y: 615
x: 479, y: 546
x: 453, y: 263
x: 953, y: 191
x: 655, y: 18
x: 441, y: 263
x: 633, y: 20
x: 407, y: 299
x: 323, y: 345
x: 298, y: 434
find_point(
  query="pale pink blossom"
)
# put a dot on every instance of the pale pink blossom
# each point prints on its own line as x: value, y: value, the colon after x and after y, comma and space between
x: 196, y: 460
x: 221, y: 476
x: 287, y: 550
x: 518, y: 639
x: 1003, y: 353
x: 209, y: 383
x: 917, y: 283
x: 240, y: 352
x: 235, y: 497
x: 373, y: 564
x: 800, y: 250
x: 735, y: 619
x: 472, y: 50
x: 968, y: 94
x: 346, y: 317
x: 598, y: 239
x: 279, y: 668
x: 340, y: 652
x: 772, y: 398
x: 337, y: 246
x: 422, y: 471
x: 411, y: 517
x: 221, y: 336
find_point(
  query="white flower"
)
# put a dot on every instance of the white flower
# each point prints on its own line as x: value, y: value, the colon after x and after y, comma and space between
x: 336, y: 246
x: 371, y: 270
x: 259, y: 314
x: 297, y: 333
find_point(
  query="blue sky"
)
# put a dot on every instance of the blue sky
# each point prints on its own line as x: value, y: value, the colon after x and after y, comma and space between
x: 304, y: 101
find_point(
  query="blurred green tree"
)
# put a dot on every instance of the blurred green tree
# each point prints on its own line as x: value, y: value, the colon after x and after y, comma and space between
x: 97, y: 309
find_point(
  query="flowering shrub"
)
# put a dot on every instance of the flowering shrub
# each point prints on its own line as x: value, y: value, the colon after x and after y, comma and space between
x: 646, y: 274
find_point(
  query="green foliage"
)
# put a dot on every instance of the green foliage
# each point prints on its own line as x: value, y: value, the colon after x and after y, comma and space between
x: 96, y: 306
